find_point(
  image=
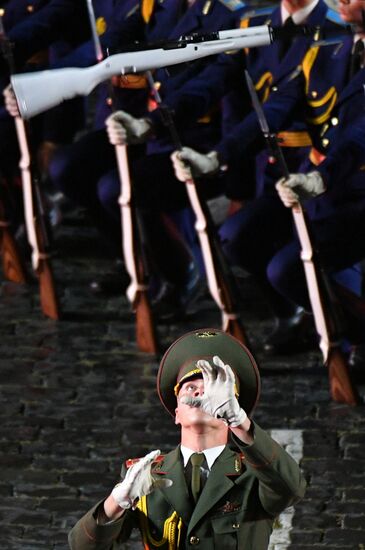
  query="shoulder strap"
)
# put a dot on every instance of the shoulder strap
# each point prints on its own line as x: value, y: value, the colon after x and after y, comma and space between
x: 128, y: 463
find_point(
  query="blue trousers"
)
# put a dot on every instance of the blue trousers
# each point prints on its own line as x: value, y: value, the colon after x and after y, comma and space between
x: 261, y: 238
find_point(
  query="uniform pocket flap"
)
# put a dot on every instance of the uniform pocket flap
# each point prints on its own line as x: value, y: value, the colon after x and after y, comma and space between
x: 228, y: 523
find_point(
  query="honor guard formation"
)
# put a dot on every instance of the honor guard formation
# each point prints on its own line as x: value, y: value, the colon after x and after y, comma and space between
x: 210, y: 155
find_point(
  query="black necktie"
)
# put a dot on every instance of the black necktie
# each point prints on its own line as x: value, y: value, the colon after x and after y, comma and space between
x: 286, y: 40
x: 357, y: 57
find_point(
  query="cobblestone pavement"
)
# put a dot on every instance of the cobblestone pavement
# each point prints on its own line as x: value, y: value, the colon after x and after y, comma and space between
x: 77, y: 397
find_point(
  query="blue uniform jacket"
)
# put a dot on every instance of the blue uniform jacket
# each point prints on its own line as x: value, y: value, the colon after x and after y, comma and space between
x: 306, y: 87
x: 343, y: 168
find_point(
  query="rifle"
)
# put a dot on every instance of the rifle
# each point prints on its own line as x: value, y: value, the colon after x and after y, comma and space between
x: 324, y: 306
x: 221, y: 282
x: 12, y: 263
x: 38, y: 91
x: 146, y: 336
x: 34, y: 214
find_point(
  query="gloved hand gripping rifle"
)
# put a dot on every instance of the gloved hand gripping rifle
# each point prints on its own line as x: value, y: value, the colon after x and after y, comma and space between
x: 221, y: 282
x: 323, y: 302
x: 35, y: 218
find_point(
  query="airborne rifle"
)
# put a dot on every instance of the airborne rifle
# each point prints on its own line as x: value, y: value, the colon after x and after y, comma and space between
x: 34, y: 213
x: 38, y: 91
x: 221, y: 282
x: 323, y: 302
x: 137, y: 291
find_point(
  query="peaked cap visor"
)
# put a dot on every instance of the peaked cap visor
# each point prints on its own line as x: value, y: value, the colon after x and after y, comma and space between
x: 182, y: 355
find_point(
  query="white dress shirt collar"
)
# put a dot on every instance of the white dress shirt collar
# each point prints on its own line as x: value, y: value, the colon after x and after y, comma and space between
x: 211, y: 454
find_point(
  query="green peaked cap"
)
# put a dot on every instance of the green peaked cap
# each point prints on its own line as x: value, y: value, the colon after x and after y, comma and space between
x: 179, y: 364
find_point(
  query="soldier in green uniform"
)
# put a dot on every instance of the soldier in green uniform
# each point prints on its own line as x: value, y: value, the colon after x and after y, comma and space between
x: 223, y: 486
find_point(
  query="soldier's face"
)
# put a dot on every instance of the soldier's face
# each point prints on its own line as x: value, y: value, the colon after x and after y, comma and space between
x: 351, y: 11
x: 194, y: 417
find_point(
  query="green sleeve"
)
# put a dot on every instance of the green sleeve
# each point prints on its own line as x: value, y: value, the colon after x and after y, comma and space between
x: 87, y: 534
x: 281, y: 482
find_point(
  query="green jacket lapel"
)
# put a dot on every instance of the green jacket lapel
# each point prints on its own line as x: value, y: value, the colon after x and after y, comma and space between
x: 220, y: 480
x: 177, y: 495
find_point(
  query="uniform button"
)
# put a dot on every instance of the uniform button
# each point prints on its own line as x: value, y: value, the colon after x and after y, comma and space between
x: 30, y: 8
x: 274, y: 89
x: 334, y: 121
x: 325, y: 142
x: 194, y: 540
x: 2, y: 12
x: 314, y: 93
x: 235, y: 525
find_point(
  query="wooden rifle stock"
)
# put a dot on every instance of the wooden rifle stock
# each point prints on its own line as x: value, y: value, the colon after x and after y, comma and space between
x: 327, y: 316
x: 36, y: 227
x: 12, y: 263
x: 221, y: 281
x: 146, y: 336
x: 33, y: 208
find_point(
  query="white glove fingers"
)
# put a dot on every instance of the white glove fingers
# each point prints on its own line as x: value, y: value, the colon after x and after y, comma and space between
x: 218, y: 361
x: 186, y: 154
x: 118, y: 117
x: 288, y: 197
x: 141, y: 466
x: 208, y: 371
x: 230, y: 375
x: 182, y: 170
x: 220, y: 369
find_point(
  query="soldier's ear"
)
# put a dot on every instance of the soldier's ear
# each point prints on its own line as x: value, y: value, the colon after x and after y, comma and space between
x: 177, y: 416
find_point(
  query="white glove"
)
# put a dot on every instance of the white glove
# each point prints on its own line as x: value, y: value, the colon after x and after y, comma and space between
x: 124, y: 129
x: 299, y: 187
x: 138, y: 482
x: 11, y: 104
x: 189, y: 164
x: 219, y: 399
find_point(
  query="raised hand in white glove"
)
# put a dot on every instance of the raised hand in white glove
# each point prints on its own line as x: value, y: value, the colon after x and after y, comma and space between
x: 123, y: 129
x: 189, y: 164
x: 299, y: 187
x: 138, y: 482
x: 219, y: 399
x: 10, y: 101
